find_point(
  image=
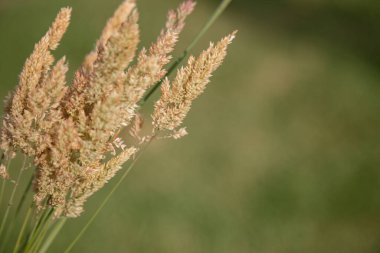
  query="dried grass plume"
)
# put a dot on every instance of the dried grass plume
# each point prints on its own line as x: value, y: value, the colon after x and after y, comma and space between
x: 75, y: 133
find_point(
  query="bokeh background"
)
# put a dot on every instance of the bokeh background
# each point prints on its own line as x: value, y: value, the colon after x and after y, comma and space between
x: 283, y: 153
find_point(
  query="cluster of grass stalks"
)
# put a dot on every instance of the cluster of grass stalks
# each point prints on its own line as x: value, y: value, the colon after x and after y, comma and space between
x: 75, y: 138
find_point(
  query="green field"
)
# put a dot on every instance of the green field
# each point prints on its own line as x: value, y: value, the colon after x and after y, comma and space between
x: 283, y: 151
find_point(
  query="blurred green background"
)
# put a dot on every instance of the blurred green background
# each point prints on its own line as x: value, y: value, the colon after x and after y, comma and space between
x: 283, y: 153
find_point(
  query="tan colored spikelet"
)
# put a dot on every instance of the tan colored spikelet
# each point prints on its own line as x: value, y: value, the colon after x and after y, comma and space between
x: 176, y: 19
x: 190, y: 82
x: 94, y: 180
x: 117, y: 106
x: 113, y: 56
x: 55, y: 173
x: 32, y: 111
x: 93, y: 98
x: 40, y: 60
x: 136, y: 127
x: 73, y: 102
x: 21, y: 111
x: 3, y: 172
x: 40, y: 114
x: 118, y: 18
x: 49, y: 93
x: 5, y: 138
x: 148, y: 70
x: 5, y: 135
x: 178, y: 134
x: 113, y: 52
x: 111, y: 28
x: 59, y: 27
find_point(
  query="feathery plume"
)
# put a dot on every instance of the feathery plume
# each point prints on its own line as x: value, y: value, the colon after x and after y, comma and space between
x: 149, y: 68
x: 123, y: 99
x: 190, y: 82
x: 20, y: 117
x: 55, y: 171
x: 138, y: 122
x: 103, y: 67
x: 72, y: 131
x: 178, y: 134
x: 117, y: 107
x: 94, y: 180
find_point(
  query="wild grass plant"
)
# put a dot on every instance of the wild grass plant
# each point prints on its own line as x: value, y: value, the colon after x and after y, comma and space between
x: 74, y: 138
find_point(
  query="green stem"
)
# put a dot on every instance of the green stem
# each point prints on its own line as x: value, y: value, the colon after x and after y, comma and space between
x: 10, y: 227
x: 10, y: 202
x: 41, y: 236
x: 22, y: 200
x: 4, y: 180
x: 22, y: 230
x: 57, y: 227
x: 42, y: 224
x: 3, y: 183
x: 106, y: 199
x: 221, y: 8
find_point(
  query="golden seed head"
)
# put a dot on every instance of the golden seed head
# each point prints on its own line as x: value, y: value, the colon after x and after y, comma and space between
x: 75, y: 132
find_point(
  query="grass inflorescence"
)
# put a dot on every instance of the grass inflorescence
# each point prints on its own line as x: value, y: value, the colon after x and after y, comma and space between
x: 77, y: 137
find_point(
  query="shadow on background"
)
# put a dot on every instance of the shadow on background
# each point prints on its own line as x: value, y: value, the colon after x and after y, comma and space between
x: 283, y: 151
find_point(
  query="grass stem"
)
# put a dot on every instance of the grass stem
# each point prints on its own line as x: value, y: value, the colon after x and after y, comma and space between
x: 10, y: 202
x: 22, y: 200
x: 4, y: 181
x: 22, y: 230
x: 38, y: 230
x: 221, y: 8
x: 57, y: 227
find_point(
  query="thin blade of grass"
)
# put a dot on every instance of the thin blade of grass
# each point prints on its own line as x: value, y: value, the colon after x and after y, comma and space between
x: 10, y: 201
x: 22, y: 230
x: 55, y: 231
